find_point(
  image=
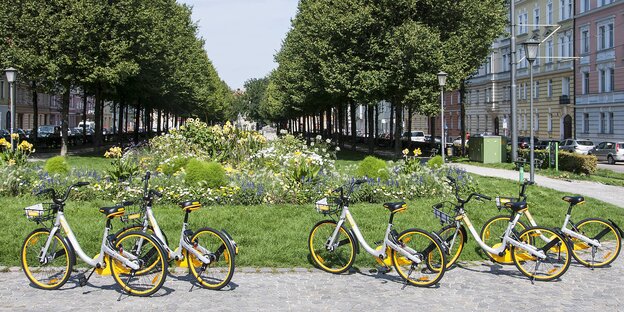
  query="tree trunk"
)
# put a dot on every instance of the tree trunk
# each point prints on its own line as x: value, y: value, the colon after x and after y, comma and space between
x: 120, y: 132
x: 35, y: 101
x: 328, y: 116
x: 126, y: 119
x: 137, y: 121
x: 341, y: 125
x: 377, y: 121
x: 64, y: 119
x: 371, y: 128
x: 432, y: 126
x: 462, y: 93
x: 158, y: 126
x: 97, y: 140
x: 114, y: 121
x: 397, y: 130
x: 353, y: 126
x: 410, y: 114
x: 392, y: 109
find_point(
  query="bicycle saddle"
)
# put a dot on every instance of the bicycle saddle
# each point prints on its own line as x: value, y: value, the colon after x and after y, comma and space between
x: 396, y: 207
x: 516, y: 206
x: 574, y: 199
x: 115, y: 211
x: 190, y: 205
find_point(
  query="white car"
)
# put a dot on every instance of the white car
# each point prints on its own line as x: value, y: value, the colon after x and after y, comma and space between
x: 415, y: 136
x: 579, y: 146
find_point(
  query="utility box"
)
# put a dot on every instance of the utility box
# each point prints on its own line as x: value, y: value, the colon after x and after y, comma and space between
x: 486, y: 149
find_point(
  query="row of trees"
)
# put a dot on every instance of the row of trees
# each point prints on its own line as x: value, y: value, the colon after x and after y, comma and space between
x: 141, y: 54
x: 340, y: 53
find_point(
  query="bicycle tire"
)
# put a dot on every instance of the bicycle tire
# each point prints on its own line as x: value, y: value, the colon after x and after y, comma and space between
x: 50, y: 275
x: 215, y: 246
x: 494, y: 235
x: 605, y: 233
x: 426, y: 247
x: 322, y: 257
x: 453, y: 248
x: 152, y: 260
x: 555, y: 247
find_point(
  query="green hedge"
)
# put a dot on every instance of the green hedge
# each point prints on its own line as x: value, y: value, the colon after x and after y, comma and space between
x: 572, y: 162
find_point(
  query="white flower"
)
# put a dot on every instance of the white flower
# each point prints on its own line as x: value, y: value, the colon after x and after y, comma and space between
x: 328, y: 141
x: 319, y: 137
x: 337, y: 149
x: 311, y: 143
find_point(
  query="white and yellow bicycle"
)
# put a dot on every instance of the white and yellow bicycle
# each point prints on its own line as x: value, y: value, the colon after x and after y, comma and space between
x: 535, y: 258
x: 135, y: 259
x: 416, y: 254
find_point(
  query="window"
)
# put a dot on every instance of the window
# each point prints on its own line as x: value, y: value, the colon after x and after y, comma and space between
x: 550, y: 122
x: 536, y: 89
x: 585, y: 123
x: 1, y: 89
x: 549, y: 51
x: 584, y: 5
x: 565, y: 86
x: 603, y: 123
x: 536, y: 18
x: 605, y: 36
x: 584, y: 40
x: 524, y: 91
x: 611, y: 123
x: 505, y: 62
x: 585, y: 82
x: 549, y: 12
x: 549, y: 88
x: 536, y: 122
x: 604, y: 2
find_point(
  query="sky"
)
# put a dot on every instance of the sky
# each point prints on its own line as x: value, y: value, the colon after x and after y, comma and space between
x: 242, y: 36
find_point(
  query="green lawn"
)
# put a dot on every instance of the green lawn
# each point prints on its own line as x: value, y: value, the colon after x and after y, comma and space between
x: 276, y: 235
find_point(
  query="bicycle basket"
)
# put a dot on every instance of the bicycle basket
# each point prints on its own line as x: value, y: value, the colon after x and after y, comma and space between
x: 444, y: 211
x: 501, y: 201
x: 41, y: 212
x: 328, y: 205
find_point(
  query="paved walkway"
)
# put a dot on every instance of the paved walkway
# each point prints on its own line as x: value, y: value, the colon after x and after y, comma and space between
x: 471, y: 287
x: 605, y: 193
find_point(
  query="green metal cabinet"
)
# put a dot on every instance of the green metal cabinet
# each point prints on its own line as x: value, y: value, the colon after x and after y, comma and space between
x: 487, y: 149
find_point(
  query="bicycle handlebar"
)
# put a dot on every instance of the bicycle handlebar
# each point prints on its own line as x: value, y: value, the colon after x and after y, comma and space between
x: 477, y: 196
x: 60, y: 201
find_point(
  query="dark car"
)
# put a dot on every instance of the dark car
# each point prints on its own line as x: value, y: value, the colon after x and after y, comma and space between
x: 544, y: 144
x: 48, y: 131
x: 524, y: 141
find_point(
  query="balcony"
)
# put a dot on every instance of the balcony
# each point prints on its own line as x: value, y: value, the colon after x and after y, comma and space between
x: 564, y: 99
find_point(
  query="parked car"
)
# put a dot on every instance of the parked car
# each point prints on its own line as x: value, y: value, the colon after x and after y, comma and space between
x: 49, y: 131
x: 524, y: 141
x: 578, y: 146
x: 415, y: 136
x: 609, y: 151
x: 457, y: 142
x: 544, y: 144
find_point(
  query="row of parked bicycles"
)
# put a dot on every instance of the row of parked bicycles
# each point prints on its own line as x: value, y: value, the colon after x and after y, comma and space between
x: 138, y: 256
x: 421, y: 257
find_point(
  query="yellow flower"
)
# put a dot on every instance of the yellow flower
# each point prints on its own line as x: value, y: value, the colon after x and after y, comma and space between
x: 405, y: 152
x: 113, y: 152
x: 25, y: 146
x: 11, y: 162
x: 417, y: 152
x: 298, y: 153
x: 15, y: 136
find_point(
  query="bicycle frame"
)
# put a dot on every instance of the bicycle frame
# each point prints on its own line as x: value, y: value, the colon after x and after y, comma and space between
x: 61, y: 223
x: 507, y: 239
x: 565, y: 230
x: 387, y: 242
x: 149, y: 219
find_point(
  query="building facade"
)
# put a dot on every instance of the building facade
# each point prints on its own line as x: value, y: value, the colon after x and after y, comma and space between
x: 600, y: 78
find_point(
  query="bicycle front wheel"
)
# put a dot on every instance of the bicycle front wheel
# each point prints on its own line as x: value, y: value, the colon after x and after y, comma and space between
x: 213, y: 245
x: 593, y: 256
x: 338, y: 257
x: 145, y: 251
x: 423, y: 246
x: 552, y: 244
x: 53, y: 271
x: 492, y: 235
x: 453, y: 238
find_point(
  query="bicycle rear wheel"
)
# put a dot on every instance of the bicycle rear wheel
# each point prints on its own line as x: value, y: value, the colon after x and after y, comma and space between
x: 552, y: 244
x: 55, y: 270
x: 145, y: 251
x: 603, y: 232
x: 454, y: 243
x: 213, y: 245
x: 492, y: 235
x: 425, y: 247
x: 339, y: 257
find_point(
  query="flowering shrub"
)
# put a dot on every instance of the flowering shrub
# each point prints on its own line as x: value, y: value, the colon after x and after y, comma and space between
x: 18, y: 156
x: 123, y: 165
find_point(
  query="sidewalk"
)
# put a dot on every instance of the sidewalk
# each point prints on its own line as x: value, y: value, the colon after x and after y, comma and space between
x: 605, y: 193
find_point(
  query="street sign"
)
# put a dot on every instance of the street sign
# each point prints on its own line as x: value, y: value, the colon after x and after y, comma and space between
x: 553, y: 153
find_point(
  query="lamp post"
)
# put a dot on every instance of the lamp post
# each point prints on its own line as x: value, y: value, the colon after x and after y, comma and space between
x: 442, y: 81
x: 11, y: 74
x: 530, y: 47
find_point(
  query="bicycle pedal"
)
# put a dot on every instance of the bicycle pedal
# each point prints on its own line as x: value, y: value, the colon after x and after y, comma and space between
x: 384, y: 270
x: 82, y: 281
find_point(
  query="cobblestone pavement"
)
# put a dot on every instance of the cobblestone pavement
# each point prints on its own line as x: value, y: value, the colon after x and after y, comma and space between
x: 479, y: 286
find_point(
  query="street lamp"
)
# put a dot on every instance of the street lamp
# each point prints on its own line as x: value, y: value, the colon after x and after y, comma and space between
x: 11, y: 74
x: 442, y: 81
x: 531, y: 47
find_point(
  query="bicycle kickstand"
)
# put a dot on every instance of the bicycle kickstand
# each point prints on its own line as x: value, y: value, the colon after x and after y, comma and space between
x: 82, y: 281
x: 535, y: 272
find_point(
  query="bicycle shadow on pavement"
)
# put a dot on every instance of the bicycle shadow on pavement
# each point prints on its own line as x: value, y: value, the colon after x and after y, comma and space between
x: 496, y: 269
x: 73, y: 283
x: 195, y: 285
x: 389, y: 277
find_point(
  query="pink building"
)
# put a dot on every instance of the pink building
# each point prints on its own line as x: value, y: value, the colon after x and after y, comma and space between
x: 599, y: 39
